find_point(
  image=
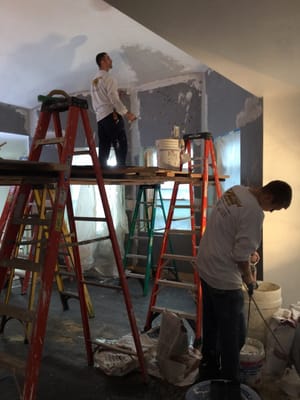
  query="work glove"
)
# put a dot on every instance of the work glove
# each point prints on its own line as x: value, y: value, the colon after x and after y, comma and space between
x: 251, y: 287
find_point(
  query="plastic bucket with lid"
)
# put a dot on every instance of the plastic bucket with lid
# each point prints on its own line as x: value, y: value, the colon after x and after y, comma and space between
x: 201, y: 391
x: 168, y: 153
x: 252, y: 358
x: 268, y: 300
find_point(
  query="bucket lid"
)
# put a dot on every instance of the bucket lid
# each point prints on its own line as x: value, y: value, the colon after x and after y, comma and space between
x: 201, y: 391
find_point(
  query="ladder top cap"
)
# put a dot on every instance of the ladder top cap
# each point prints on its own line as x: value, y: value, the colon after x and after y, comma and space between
x: 200, y: 135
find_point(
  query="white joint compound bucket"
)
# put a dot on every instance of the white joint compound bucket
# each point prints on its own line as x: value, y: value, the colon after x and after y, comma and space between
x: 252, y: 357
x: 168, y: 153
x: 268, y: 299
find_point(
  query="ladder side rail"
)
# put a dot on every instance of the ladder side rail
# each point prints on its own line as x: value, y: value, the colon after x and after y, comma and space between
x: 204, y: 194
x: 79, y: 280
x: 150, y: 230
x: 132, y: 226
x: 8, y: 206
x: 160, y: 263
x: 113, y: 236
x: 39, y: 330
x: 169, y: 241
x: 40, y: 132
x: 11, y: 231
x: 215, y: 170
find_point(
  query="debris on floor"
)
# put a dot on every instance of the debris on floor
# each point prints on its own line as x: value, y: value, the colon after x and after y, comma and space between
x: 166, y: 348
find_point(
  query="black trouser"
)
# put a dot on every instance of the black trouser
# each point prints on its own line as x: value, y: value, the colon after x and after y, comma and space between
x: 111, y: 133
x: 223, y: 329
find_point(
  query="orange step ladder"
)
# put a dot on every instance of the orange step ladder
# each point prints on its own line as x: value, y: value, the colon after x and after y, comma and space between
x: 198, y: 166
x: 45, y: 259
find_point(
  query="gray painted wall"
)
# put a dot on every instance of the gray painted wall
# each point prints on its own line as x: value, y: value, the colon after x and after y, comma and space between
x: 14, y: 119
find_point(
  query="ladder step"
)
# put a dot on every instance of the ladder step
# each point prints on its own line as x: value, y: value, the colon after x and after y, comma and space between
x: 55, y: 140
x: 140, y: 237
x: 130, y: 274
x: 12, y: 363
x: 139, y: 256
x: 182, y: 231
x: 81, y: 152
x: 20, y: 313
x: 176, y: 284
x: 82, y: 242
x: 31, y: 221
x: 182, y: 218
x: 93, y: 219
x: 69, y: 295
x: 21, y: 263
x: 66, y: 273
x: 181, y: 314
x: 168, y: 256
x: 101, y: 284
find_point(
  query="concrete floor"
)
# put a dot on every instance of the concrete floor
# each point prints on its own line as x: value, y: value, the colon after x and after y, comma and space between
x: 64, y: 373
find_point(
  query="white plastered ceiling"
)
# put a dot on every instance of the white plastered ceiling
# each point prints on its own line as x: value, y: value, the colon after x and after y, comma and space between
x: 47, y: 45
x: 52, y: 44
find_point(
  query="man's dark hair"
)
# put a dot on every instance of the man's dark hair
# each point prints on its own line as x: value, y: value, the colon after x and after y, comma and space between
x: 99, y: 57
x: 281, y: 192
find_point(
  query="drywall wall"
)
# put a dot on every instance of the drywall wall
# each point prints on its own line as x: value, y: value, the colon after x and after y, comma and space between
x: 282, y: 161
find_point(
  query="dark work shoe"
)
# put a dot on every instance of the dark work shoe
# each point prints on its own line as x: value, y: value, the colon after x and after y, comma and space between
x: 234, y: 390
x: 218, y: 390
x: 208, y: 372
x: 225, y: 390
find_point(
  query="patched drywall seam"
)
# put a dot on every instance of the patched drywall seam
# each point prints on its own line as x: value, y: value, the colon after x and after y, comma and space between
x: 252, y: 110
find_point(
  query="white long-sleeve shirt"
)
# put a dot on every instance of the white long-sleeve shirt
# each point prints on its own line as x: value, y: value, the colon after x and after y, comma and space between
x: 105, y: 96
x: 232, y: 234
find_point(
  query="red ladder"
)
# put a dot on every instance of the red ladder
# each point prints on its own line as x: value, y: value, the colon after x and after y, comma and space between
x: 207, y: 158
x: 49, y: 246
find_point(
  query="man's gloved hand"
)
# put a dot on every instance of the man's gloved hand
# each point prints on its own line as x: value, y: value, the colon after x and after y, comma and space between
x: 251, y: 287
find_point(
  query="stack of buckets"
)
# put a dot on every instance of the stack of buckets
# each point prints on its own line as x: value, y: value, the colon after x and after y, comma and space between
x: 268, y: 300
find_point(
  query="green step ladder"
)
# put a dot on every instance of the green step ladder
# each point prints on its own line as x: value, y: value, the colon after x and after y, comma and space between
x: 142, y: 228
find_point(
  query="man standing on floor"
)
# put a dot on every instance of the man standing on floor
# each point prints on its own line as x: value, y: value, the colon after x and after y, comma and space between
x: 109, y: 113
x: 232, y: 235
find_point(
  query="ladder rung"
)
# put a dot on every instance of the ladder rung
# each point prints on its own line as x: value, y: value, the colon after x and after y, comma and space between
x: 21, y: 263
x: 176, y: 284
x: 81, y: 242
x: 130, y: 274
x: 55, y: 140
x: 22, y: 314
x: 101, y: 284
x: 93, y: 219
x: 66, y: 273
x: 31, y: 221
x: 12, y: 363
x: 182, y: 231
x: 31, y: 242
x: 70, y: 295
x: 187, y: 206
x: 140, y: 237
x: 182, y: 218
x: 81, y: 152
x: 139, y: 256
x: 168, y: 256
x: 181, y: 314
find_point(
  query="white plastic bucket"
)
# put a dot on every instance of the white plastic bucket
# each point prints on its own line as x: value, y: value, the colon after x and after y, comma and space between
x: 268, y: 300
x: 252, y: 358
x: 168, y: 153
